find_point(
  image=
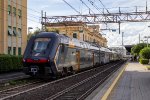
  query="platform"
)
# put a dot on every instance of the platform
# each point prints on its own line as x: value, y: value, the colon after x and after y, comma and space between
x: 12, y: 76
x: 132, y: 82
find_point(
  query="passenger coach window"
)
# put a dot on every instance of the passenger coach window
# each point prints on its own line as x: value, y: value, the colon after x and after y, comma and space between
x: 40, y: 44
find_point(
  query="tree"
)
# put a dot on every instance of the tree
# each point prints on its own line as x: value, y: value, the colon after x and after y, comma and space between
x: 29, y: 36
x: 38, y: 30
x: 34, y: 33
x: 135, y: 50
x: 145, y: 53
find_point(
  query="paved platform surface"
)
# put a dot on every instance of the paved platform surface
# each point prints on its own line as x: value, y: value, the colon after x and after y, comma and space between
x: 134, y: 84
x: 12, y: 76
x: 102, y: 92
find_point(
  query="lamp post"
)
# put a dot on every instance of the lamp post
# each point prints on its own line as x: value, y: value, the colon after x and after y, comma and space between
x: 29, y: 28
x: 147, y: 39
x: 122, y: 37
x: 29, y: 35
x: 143, y: 41
x: 139, y: 38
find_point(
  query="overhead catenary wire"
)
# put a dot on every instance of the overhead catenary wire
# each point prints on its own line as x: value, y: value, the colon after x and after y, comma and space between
x: 77, y: 12
x: 104, y: 6
x: 31, y: 15
x: 2, y: 9
x: 84, y: 4
x: 23, y: 30
x: 92, y: 3
x: 87, y: 6
x: 34, y: 16
x: 72, y: 7
x: 26, y: 7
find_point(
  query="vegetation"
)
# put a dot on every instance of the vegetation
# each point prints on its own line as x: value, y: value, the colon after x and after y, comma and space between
x: 10, y: 63
x: 135, y: 50
x: 141, y: 50
x: 145, y: 53
x: 144, y: 61
x: 39, y: 30
x: 34, y: 33
x: 148, y: 67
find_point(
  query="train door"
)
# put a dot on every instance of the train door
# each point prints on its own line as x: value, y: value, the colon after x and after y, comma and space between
x: 78, y: 59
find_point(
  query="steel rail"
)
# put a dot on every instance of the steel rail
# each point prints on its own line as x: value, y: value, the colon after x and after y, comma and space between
x: 78, y: 84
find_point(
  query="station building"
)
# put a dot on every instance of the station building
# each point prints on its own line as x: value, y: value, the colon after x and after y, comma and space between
x: 13, y: 26
x: 88, y: 33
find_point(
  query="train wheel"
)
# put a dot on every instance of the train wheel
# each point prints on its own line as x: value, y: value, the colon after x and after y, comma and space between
x: 64, y: 72
x: 71, y: 70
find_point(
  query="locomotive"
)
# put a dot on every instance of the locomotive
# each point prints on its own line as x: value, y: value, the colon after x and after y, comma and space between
x: 50, y: 54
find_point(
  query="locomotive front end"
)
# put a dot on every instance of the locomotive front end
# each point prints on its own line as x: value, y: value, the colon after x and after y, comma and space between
x: 37, y: 59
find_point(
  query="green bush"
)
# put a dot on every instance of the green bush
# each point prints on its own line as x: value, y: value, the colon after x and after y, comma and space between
x: 144, y: 61
x: 135, y: 50
x: 10, y: 63
x: 145, y: 53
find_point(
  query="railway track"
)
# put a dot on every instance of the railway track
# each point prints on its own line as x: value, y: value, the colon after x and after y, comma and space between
x: 82, y: 89
x: 77, y: 86
x: 20, y: 88
x: 4, y: 78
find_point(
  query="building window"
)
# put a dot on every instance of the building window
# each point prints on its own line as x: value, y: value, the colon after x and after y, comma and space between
x: 14, y: 31
x: 19, y: 51
x: 9, y: 9
x: 19, y: 32
x: 81, y: 31
x: 9, y: 50
x: 19, y: 13
x: 10, y: 30
x: 14, y: 50
x: 74, y: 35
x: 14, y: 11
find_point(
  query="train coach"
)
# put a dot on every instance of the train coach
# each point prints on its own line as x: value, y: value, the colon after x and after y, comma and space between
x: 50, y: 54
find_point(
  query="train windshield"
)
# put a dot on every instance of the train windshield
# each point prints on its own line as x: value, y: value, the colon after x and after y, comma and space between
x: 40, y: 44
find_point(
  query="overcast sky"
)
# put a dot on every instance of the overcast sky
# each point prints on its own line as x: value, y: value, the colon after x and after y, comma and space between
x: 58, y: 7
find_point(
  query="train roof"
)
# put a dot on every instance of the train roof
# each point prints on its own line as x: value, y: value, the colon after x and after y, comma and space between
x: 47, y: 34
x: 77, y: 43
x: 73, y: 41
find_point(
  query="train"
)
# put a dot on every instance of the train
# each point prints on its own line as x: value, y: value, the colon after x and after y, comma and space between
x: 50, y: 54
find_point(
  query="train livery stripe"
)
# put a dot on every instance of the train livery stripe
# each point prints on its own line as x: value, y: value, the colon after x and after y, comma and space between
x: 56, y: 56
x: 78, y: 60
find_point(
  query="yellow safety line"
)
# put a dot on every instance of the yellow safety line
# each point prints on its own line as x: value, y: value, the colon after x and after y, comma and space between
x: 113, y: 84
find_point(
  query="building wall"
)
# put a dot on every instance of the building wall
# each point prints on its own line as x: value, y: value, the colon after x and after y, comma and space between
x: 85, y: 33
x: 1, y: 47
x: 13, y: 29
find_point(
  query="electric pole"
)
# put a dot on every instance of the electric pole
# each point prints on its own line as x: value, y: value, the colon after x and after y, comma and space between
x: 139, y: 39
x: 122, y: 38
